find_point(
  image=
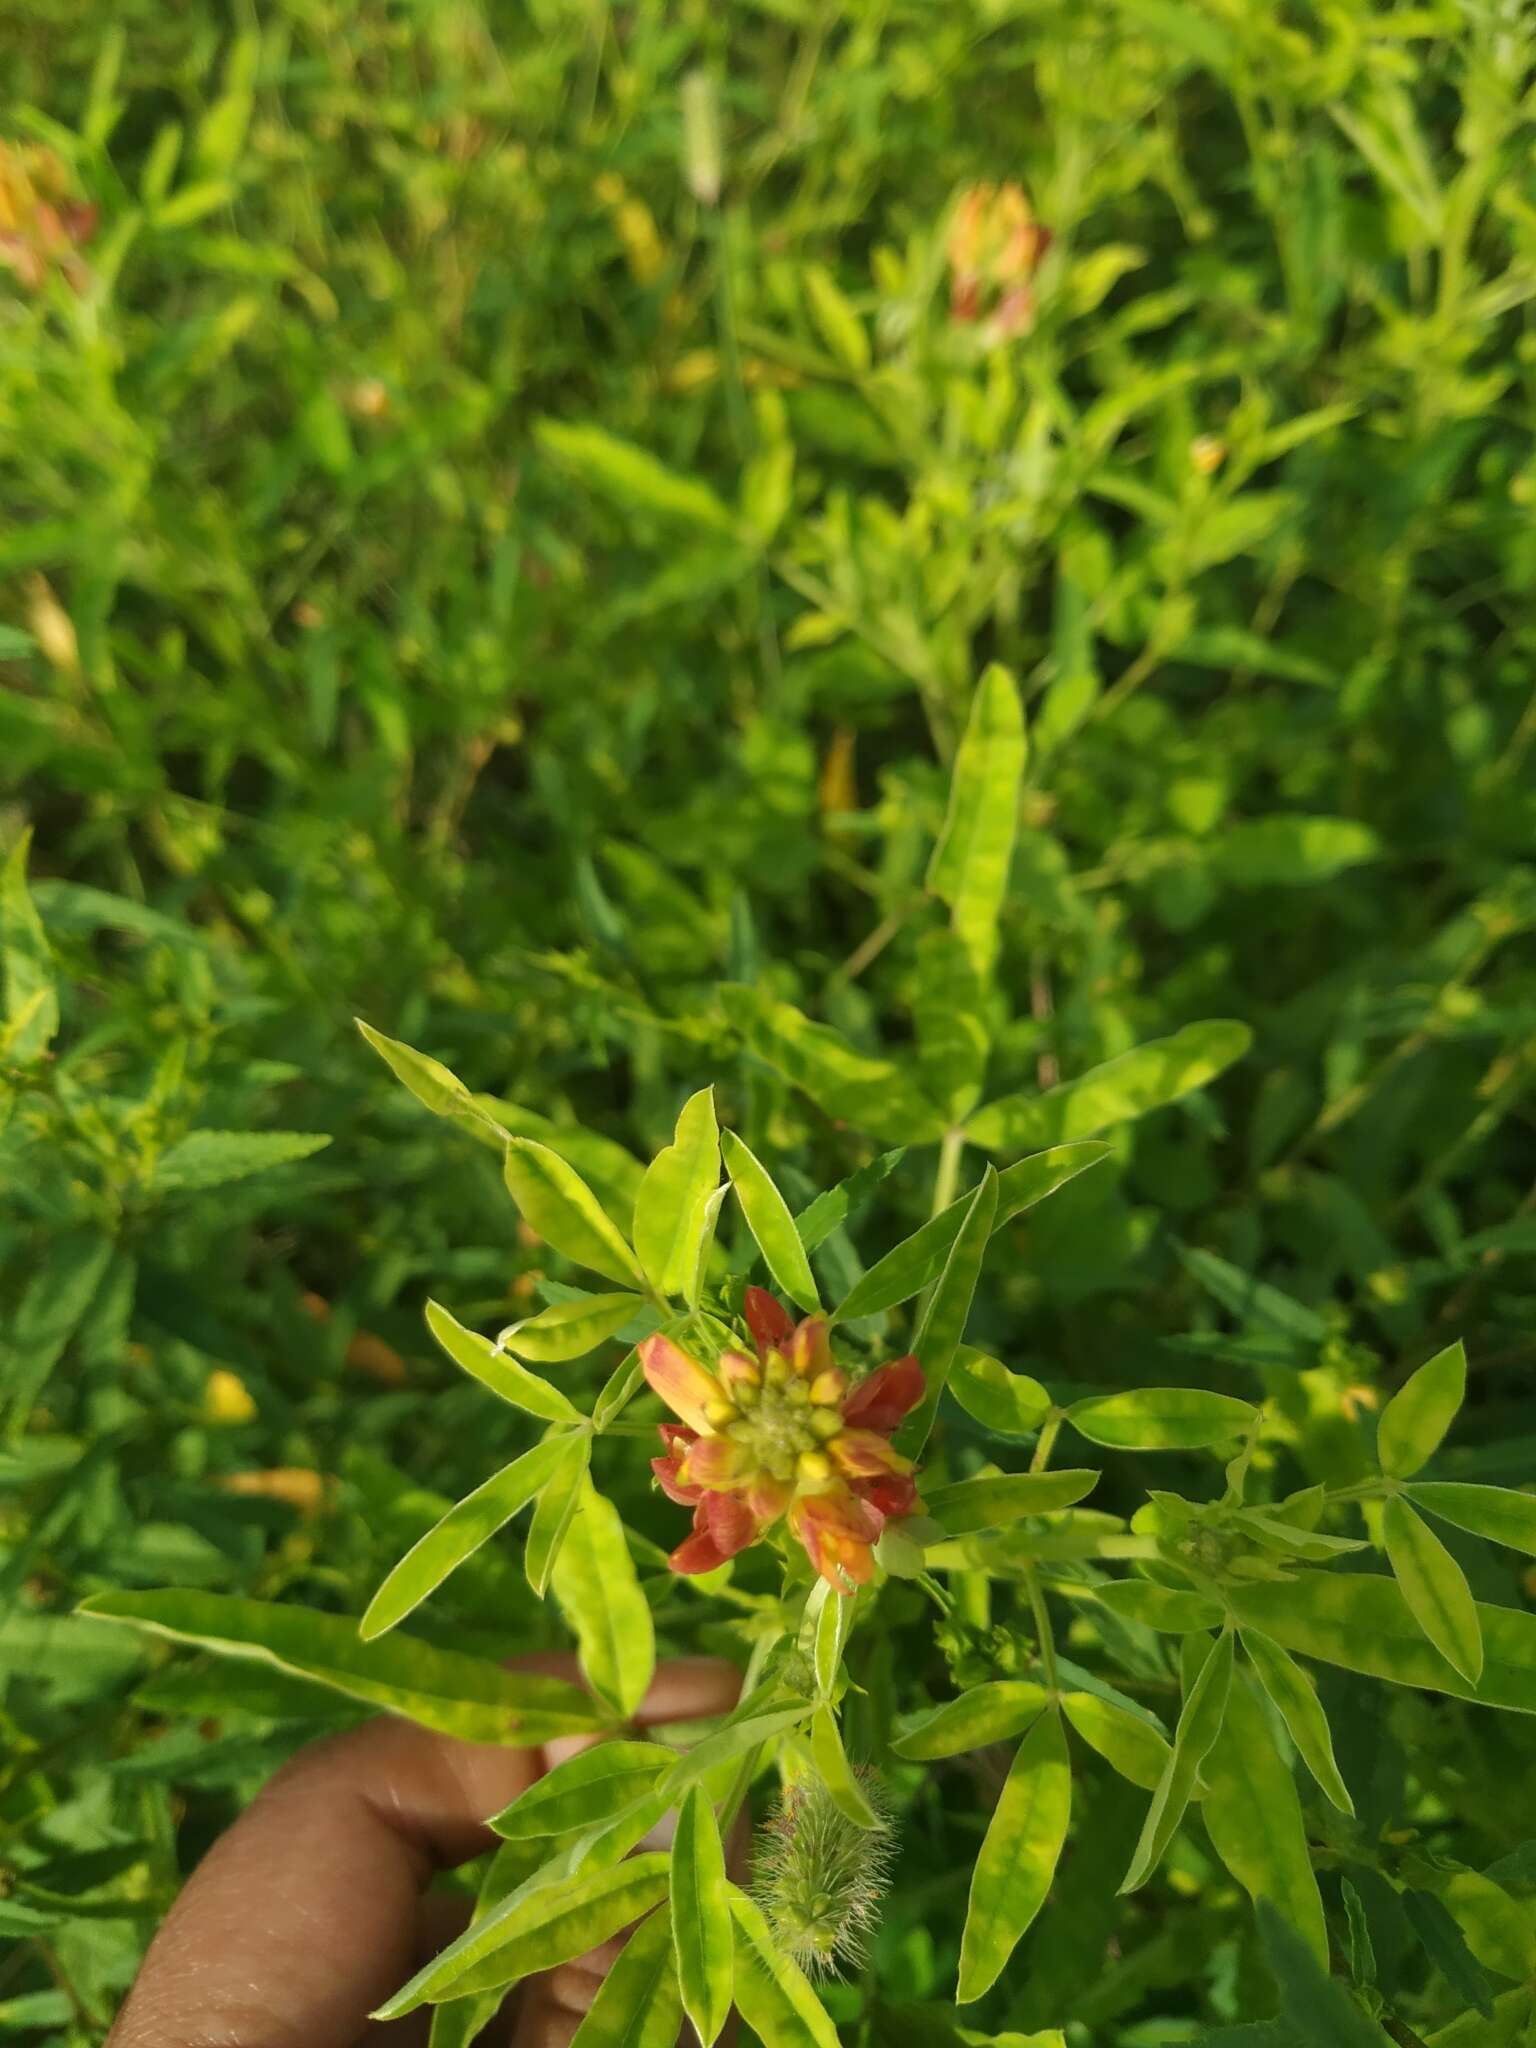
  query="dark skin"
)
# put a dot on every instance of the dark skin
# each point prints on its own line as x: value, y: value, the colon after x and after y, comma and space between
x: 314, y: 1907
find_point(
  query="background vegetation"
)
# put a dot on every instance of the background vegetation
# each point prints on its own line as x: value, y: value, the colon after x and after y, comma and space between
x: 505, y: 512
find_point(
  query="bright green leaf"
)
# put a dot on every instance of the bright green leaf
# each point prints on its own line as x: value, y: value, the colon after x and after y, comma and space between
x: 1161, y: 1419
x: 553, y: 1510
x: 991, y: 1500
x: 1018, y: 1858
x: 1434, y: 1586
x: 857, y: 1088
x: 672, y: 1207
x: 835, y: 1771
x: 1254, y: 1819
x: 948, y: 1011
x: 994, y: 1712
x: 1199, y: 1725
x: 492, y: 1367
x: 638, y: 2004
x: 1007, y: 1403
x: 771, y: 1224
x: 596, y: 1585
x: 570, y: 1329
x: 557, y: 1203
x: 587, y: 1788
x: 1496, y: 1512
x: 771, y: 1990
x: 1159, y: 1607
x: 702, y: 1938
x: 949, y: 1307
x: 1418, y: 1415
x: 434, y: 1086
x: 31, y: 1000
x: 631, y: 477
x: 1124, y: 1740
x: 1146, y: 1078
x: 971, y: 861
x: 1294, y: 1694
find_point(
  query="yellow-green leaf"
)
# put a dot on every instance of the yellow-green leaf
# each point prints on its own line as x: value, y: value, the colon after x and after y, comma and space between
x: 949, y: 1013
x: 770, y: 1222
x: 31, y: 999
x: 552, y: 1512
x: 1018, y: 1858
x: 471, y: 1522
x: 587, y: 1788
x: 835, y: 1771
x: 1294, y: 1694
x: 702, y: 1937
x: 638, y: 2004
x: 672, y: 1208
x: 1007, y: 1403
x: 858, y: 1088
x: 1434, y: 1586
x: 570, y: 1329
x: 434, y: 1086
x: 1418, y: 1415
x: 1199, y: 1725
x: 1160, y: 1607
x: 949, y: 1306
x: 557, y: 1203
x: 1161, y: 1419
x: 991, y: 1500
x: 1254, y: 1819
x: 480, y: 1358
x: 631, y: 477
x: 1124, y: 1740
x: 971, y: 861
x: 840, y: 326
x: 470, y: 1697
x: 536, y: 1929
x: 1144, y: 1079
x: 599, y: 1592
x: 1496, y: 1512
x: 772, y: 1993
x: 994, y: 1712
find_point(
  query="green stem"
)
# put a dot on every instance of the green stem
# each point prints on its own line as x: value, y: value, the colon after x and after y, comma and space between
x: 947, y: 1173
x: 1046, y: 1442
x: 1043, y: 1631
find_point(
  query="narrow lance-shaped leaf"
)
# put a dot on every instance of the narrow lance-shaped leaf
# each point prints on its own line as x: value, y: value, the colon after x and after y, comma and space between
x: 835, y: 1771
x: 1446, y: 1946
x: 469, y: 1697
x: 949, y: 1013
x: 702, y: 1937
x: 772, y: 1993
x: 1320, y: 2010
x: 459, y: 1535
x: 672, y: 1207
x: 1161, y: 1419
x: 483, y: 1361
x: 991, y: 1500
x: 638, y: 2004
x: 557, y: 1203
x: 1123, y: 1739
x: 554, y: 1509
x: 870, y: 1093
x: 1254, y: 1820
x: 919, y: 1260
x: 944, y: 1324
x: 570, y: 1329
x: 970, y: 864
x: 595, y: 1582
x: 1434, y: 1586
x: 1146, y: 1078
x: 1199, y: 1725
x: 1294, y: 1694
x: 836, y: 1206
x: 434, y: 1086
x: 31, y: 999
x: 1018, y: 1858
x: 1418, y: 1415
x: 770, y: 1222
x: 994, y: 1712
x: 592, y: 1786
x: 536, y: 1930
x: 1160, y: 1607
x: 1496, y: 1512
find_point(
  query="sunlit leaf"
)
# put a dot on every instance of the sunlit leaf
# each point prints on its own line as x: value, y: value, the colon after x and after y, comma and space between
x: 595, y: 1582
x: 638, y: 2004
x: 1199, y: 1725
x: 1018, y: 1857
x: 702, y: 1937
x: 557, y: 1203
x: 493, y: 1368
x: 1496, y: 1512
x: 970, y: 864
x: 949, y: 1307
x: 1294, y: 1694
x: 1434, y: 1586
x: 1007, y: 1403
x: 31, y: 999
x: 1159, y: 1607
x: 771, y: 1224
x: 1123, y: 1739
x: 1161, y: 1419
x: 771, y: 1990
x: 990, y: 1501
x: 585, y: 1789
x: 1131, y: 1086
x: 553, y: 1510
x: 994, y: 1712
x: 1418, y: 1415
x: 570, y: 1329
x: 1254, y: 1820
x: 672, y: 1207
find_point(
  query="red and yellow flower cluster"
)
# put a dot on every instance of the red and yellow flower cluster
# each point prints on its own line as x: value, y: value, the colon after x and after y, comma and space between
x: 995, y: 246
x: 782, y: 1435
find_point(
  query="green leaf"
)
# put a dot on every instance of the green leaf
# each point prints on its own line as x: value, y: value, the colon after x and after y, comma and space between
x: 948, y: 1011
x: 31, y: 998
x: 1199, y: 1725
x: 63, y: 1283
x: 702, y: 1938
x: 1496, y: 1512
x: 994, y: 1712
x: 824, y: 1630
x: 837, y: 1205
x: 471, y: 1522
x: 949, y: 1307
x: 838, y: 324
x: 1512, y: 2012
x: 672, y: 1207
x: 484, y: 1361
x: 553, y: 1510
x: 733, y: 1740
x: 536, y: 1930
x: 771, y: 1224
x: 1360, y: 1620
x: 589, y: 1787
x: 1007, y: 1403
x: 599, y: 1592
x: 1018, y: 1858
x: 1160, y: 1607
x: 570, y: 1329
x: 1321, y: 2011
x: 1123, y: 1739
x: 872, y: 1094
x: 772, y: 1994
x: 207, y: 1159
x: 1291, y: 851
x: 987, y: 1502
x: 638, y: 2004
x: 631, y: 477
x: 1446, y: 1946
x: 835, y: 1771
x: 557, y: 1203
x: 1252, y: 1300
x: 434, y: 1086
x: 1146, y: 1078
x: 1434, y: 1586
x: 469, y: 1697
x: 919, y: 1260
x: 1161, y: 1419
x: 971, y: 862
x: 1254, y: 1820
x: 1418, y: 1415
x: 1294, y: 1694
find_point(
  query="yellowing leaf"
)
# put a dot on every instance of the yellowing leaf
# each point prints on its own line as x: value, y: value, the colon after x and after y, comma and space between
x: 594, y: 1580
x: 557, y: 1203
x: 1161, y: 1419
x: 672, y: 1207
x: 771, y: 1224
x: 1018, y: 1858
x: 702, y: 1937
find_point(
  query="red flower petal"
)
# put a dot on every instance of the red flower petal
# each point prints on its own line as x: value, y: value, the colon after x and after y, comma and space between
x: 892, y: 1496
x: 676, y: 1435
x: 890, y: 1392
x: 837, y: 1531
x: 696, y: 1553
x: 771, y: 1325
x: 669, y: 1478
x: 863, y: 1454
x: 730, y: 1523
x: 714, y: 1461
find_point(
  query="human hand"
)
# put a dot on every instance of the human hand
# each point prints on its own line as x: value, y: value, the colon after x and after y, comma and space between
x: 312, y: 1909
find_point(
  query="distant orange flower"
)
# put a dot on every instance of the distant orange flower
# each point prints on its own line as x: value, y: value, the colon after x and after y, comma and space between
x: 781, y: 1436
x: 41, y: 224
x: 995, y: 246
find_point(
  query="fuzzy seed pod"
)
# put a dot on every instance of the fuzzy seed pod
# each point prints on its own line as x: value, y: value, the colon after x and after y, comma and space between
x: 820, y: 1879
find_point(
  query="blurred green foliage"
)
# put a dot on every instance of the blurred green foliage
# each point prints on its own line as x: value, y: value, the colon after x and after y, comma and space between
x: 485, y: 552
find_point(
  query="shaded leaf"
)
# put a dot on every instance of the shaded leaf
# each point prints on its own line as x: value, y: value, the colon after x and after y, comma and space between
x: 1008, y: 1403
x: 638, y: 2004
x: 1146, y: 1078
x: 1018, y: 1858
x: 207, y: 1159
x: 1434, y: 1586
x: 1254, y: 1820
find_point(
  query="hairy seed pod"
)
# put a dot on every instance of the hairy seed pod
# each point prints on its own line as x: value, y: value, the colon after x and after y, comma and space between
x: 819, y: 1878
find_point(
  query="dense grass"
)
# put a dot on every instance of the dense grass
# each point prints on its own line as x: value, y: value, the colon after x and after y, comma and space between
x: 356, y: 662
